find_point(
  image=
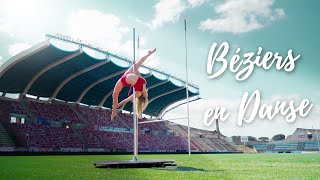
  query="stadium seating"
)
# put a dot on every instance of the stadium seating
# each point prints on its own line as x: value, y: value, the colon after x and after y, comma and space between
x: 99, y: 117
x: 105, y: 139
x: 286, y: 146
x: 15, y: 106
x: 152, y: 136
x: 311, y: 145
x: 51, y: 111
x: 261, y: 147
x: 46, y: 137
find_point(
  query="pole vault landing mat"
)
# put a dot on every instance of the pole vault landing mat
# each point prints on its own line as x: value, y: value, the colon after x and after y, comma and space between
x: 135, y: 164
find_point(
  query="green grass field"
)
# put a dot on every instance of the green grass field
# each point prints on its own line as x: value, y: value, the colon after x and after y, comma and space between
x: 208, y: 166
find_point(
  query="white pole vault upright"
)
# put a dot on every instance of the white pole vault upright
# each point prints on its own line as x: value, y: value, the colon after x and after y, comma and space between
x: 187, y: 83
x: 135, y: 119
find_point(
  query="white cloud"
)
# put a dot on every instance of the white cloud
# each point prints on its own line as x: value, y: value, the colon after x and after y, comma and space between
x: 17, y: 16
x: 105, y: 31
x: 100, y: 29
x: 167, y: 11
x: 240, y: 16
x: 1, y: 60
x: 153, y: 61
x: 16, y: 48
x: 6, y: 26
x: 196, y: 3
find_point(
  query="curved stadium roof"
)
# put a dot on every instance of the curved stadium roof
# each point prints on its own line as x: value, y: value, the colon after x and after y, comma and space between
x: 45, y: 70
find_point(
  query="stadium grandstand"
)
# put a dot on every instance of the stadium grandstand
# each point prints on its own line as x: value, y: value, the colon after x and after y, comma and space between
x: 301, y: 141
x: 56, y: 97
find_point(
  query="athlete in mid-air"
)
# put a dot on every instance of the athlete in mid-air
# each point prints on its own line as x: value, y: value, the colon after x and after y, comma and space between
x: 134, y: 79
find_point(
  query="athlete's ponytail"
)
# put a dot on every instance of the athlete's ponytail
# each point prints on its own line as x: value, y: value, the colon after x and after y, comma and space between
x: 142, y: 103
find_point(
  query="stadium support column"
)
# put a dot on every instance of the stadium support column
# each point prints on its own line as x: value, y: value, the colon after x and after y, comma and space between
x: 135, y: 123
x: 217, y: 126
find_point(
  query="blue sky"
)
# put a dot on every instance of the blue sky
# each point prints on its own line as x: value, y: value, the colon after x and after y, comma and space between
x: 276, y: 26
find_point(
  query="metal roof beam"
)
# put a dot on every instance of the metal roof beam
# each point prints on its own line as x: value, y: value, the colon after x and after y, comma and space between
x: 166, y: 93
x: 147, y: 75
x: 158, y: 84
x: 164, y: 110
x: 105, y: 97
x: 22, y: 56
x: 116, y: 56
x: 64, y: 82
x: 97, y: 82
x: 45, y: 69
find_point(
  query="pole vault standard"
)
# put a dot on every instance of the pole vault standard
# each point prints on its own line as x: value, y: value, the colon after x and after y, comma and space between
x: 187, y: 85
x: 135, y: 119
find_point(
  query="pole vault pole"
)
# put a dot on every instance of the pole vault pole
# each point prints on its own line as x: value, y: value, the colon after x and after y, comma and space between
x: 135, y: 123
x: 187, y: 85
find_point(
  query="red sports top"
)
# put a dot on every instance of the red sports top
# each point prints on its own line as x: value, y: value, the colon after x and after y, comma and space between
x: 138, y: 86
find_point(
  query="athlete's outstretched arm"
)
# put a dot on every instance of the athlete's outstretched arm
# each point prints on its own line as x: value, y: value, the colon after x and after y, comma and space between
x: 141, y: 61
x: 144, y: 58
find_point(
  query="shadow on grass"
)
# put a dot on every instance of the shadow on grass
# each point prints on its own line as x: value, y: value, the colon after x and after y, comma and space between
x: 181, y: 168
x: 168, y: 168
